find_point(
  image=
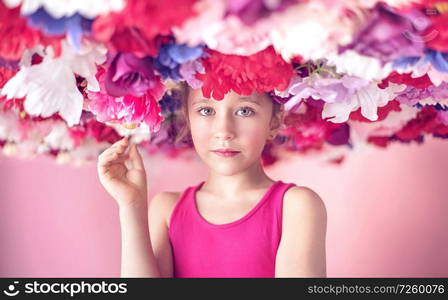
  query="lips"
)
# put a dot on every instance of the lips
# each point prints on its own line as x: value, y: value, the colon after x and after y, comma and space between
x: 225, y: 152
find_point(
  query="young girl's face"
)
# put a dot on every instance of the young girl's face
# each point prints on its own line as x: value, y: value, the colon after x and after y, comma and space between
x: 239, y: 123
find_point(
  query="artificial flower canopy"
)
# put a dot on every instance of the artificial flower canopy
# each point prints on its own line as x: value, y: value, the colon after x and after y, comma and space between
x: 77, y: 75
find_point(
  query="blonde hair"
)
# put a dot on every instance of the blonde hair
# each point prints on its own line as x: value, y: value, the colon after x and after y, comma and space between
x: 185, y: 130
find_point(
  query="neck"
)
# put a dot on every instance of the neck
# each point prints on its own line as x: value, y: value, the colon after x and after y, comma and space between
x: 253, y: 177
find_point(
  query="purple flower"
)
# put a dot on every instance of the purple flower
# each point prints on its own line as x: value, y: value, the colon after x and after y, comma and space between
x: 171, y: 56
x: 411, y: 95
x: 170, y: 103
x: 339, y: 135
x: 188, y: 71
x: 330, y: 90
x: 390, y: 35
x: 278, y: 99
x: 74, y: 26
x: 129, y: 75
x: 250, y: 11
x: 438, y: 60
x: 405, y: 62
x: 9, y: 64
x: 442, y: 116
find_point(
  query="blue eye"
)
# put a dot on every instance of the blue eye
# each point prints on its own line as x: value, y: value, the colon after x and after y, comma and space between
x: 201, y: 109
x: 250, y: 110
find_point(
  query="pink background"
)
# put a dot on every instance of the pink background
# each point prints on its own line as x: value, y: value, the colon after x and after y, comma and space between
x: 386, y: 212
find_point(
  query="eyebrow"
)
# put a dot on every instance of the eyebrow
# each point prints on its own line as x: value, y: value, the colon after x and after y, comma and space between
x: 249, y: 99
x: 243, y: 99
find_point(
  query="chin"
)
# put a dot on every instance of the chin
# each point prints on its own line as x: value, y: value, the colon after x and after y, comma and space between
x: 226, y: 171
x: 227, y: 168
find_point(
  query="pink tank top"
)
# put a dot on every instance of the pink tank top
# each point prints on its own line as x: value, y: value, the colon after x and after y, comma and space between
x: 244, y: 248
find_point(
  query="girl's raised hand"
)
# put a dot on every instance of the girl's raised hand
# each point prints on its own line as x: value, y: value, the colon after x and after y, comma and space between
x: 122, y: 173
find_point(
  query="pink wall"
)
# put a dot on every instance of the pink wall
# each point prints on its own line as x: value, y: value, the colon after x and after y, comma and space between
x: 386, y: 213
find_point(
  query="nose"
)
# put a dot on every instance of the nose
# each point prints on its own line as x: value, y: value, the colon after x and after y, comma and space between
x: 224, y: 127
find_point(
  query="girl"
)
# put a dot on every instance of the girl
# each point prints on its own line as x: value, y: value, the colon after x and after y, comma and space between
x: 236, y: 223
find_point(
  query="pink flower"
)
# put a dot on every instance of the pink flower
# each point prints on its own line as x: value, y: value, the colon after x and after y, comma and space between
x: 228, y: 35
x: 135, y: 28
x: 128, y: 109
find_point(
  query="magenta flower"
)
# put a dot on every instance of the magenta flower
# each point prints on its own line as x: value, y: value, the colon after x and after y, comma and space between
x: 129, y: 109
x: 129, y: 75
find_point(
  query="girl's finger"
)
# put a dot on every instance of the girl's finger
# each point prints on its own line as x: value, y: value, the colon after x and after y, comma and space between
x: 114, y: 162
x: 123, y: 141
x: 106, y: 154
x: 114, y: 148
x: 112, y: 156
x: 135, y: 158
x: 120, y: 147
x: 108, y: 151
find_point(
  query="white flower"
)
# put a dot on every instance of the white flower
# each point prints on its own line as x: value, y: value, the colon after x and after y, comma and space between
x: 204, y: 27
x: 50, y: 87
x: 87, y: 153
x: 8, y: 127
x: 368, y: 98
x: 355, y: 64
x: 59, y: 138
x: 136, y: 135
x: 312, y: 30
x: 66, y: 8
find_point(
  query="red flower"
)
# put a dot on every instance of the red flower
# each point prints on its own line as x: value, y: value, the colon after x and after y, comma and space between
x: 5, y: 75
x: 298, y: 59
x: 268, y: 156
x: 261, y: 72
x: 307, y: 131
x: 383, y: 111
x: 17, y: 36
x: 78, y: 134
x: 437, y: 33
x: 379, y: 141
x: 337, y: 161
x: 97, y: 130
x: 425, y: 122
x: 419, y: 82
x: 12, y: 104
x: 135, y: 28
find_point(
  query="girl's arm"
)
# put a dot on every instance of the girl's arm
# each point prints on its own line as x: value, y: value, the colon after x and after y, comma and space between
x: 123, y: 176
x: 161, y: 207
x: 301, y: 252
x: 137, y: 257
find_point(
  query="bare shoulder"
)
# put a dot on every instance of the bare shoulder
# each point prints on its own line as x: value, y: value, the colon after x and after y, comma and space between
x: 303, y: 201
x: 163, y: 203
x: 301, y: 252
